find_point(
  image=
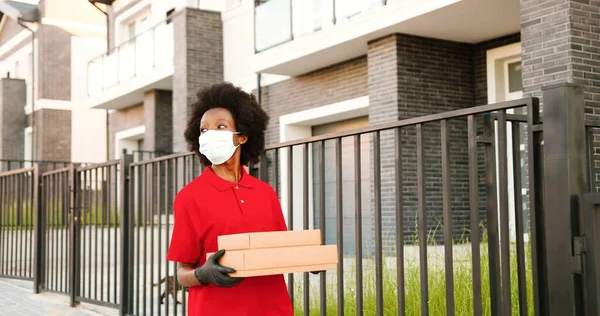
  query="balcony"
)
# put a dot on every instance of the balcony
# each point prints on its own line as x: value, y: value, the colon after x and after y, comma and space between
x: 294, y: 37
x: 119, y: 78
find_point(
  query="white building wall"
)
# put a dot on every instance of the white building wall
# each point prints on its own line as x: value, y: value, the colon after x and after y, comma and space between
x: 238, y: 46
x: 88, y: 127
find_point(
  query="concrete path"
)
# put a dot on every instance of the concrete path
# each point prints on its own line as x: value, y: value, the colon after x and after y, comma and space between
x: 17, y: 298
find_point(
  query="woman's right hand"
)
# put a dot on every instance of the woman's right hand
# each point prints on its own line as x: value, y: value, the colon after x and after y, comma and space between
x: 213, y: 272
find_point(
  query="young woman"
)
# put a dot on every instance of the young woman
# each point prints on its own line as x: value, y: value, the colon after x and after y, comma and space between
x: 227, y: 131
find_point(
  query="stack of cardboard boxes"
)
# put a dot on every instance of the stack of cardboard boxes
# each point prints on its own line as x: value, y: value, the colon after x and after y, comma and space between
x: 270, y: 253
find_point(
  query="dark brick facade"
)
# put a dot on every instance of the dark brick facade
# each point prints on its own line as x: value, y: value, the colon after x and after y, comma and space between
x: 158, y: 117
x: 561, y: 43
x: 198, y: 59
x: 12, y: 118
x: 53, y: 135
x: 410, y: 77
x: 54, y: 72
x: 337, y: 83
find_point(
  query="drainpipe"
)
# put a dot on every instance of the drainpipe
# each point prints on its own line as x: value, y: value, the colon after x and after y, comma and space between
x: 258, y: 88
x: 33, y: 142
x: 107, y: 49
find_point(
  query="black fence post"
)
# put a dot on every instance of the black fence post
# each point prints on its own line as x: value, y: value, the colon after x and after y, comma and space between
x: 564, y: 185
x: 38, y: 229
x: 125, y: 230
x: 74, y: 242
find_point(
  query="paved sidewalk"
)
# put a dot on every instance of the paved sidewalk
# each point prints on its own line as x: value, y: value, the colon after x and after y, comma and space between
x: 17, y: 298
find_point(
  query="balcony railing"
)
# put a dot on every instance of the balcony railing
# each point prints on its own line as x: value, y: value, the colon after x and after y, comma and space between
x: 280, y: 21
x: 150, y: 50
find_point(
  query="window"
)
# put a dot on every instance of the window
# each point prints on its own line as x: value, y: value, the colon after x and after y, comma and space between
x: 515, y: 81
x: 131, y: 30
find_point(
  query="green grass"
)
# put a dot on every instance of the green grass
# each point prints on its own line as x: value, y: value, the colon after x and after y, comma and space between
x: 9, y: 217
x: 463, y: 286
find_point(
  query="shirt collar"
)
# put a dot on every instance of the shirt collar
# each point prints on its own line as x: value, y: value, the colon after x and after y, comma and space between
x: 247, y: 181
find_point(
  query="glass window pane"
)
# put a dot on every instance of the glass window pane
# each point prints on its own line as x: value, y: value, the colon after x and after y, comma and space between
x: 515, y: 81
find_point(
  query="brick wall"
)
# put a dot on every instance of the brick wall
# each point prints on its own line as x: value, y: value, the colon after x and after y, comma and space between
x: 561, y: 43
x: 337, y: 83
x: 54, y: 66
x: 158, y: 118
x: 433, y: 76
x: 122, y: 120
x: 198, y: 59
x: 53, y: 135
x: 12, y: 118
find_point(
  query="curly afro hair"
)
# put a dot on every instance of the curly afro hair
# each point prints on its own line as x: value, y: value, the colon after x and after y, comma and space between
x: 250, y: 119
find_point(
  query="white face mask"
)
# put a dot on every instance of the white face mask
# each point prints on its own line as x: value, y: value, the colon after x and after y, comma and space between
x: 217, y: 146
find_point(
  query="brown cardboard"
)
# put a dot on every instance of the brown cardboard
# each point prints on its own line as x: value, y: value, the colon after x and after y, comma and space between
x: 283, y: 270
x: 268, y: 261
x: 270, y: 239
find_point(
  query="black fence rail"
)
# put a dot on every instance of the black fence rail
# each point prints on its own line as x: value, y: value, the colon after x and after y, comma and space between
x: 421, y: 205
x: 56, y: 230
x: 446, y: 214
x: 18, y: 199
x: 154, y: 289
x: 98, y: 233
x: 45, y: 165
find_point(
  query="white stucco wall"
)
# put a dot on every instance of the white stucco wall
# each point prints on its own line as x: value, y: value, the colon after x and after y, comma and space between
x: 88, y: 127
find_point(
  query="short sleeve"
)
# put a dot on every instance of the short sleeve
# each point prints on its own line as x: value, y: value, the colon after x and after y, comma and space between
x: 280, y: 224
x: 185, y: 245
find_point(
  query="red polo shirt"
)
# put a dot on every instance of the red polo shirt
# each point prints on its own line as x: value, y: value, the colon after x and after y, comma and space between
x: 209, y: 207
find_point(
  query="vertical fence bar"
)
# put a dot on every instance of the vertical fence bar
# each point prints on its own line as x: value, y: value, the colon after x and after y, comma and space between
x: 3, y: 211
x: 38, y: 261
x: 88, y: 228
x: 38, y: 229
x: 74, y: 223
x: 492, y: 213
x: 58, y: 189
x: 124, y: 307
x: 19, y: 224
x: 175, y: 181
x: 378, y: 239
x: 305, y: 219
x: 504, y: 216
x: 144, y: 223
x: 151, y: 215
x: 158, y: 212
x: 564, y: 186
x: 422, y: 221
x: 96, y: 222
x: 290, y: 209
x: 516, y: 157
x: 340, y: 225
x: 102, y: 223
x: 322, y: 224
x: 534, y: 164
x: 167, y: 229
x: 474, y: 205
x: 447, y: 200
x: 401, y: 291
x: 109, y: 224
x: 358, y: 222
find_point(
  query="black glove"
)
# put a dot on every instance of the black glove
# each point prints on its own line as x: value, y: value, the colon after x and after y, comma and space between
x: 213, y: 272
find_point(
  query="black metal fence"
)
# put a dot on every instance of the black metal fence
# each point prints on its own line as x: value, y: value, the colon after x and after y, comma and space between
x: 18, y: 200
x: 15, y: 164
x: 437, y: 215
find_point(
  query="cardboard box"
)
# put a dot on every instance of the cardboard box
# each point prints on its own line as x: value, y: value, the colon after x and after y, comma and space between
x: 270, y: 239
x: 270, y: 261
